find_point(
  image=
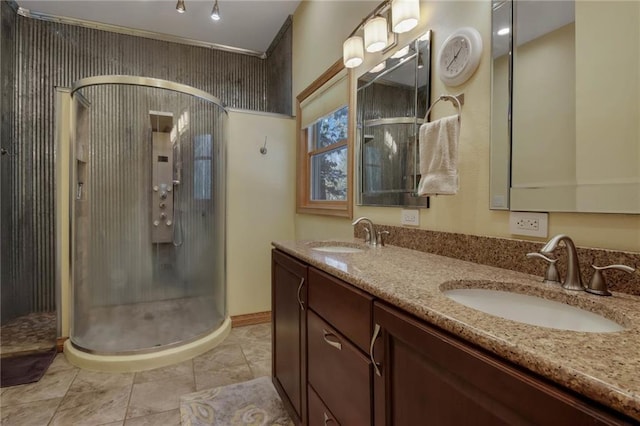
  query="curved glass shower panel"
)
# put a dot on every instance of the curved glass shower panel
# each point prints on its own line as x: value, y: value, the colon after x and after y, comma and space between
x: 149, y: 218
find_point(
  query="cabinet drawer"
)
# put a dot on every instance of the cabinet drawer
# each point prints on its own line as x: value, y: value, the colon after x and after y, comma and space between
x: 339, y: 373
x: 346, y: 308
x: 319, y: 414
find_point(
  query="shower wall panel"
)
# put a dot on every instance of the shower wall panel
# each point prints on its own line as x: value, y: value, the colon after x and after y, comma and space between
x: 279, y: 73
x: 16, y: 298
x: 50, y: 54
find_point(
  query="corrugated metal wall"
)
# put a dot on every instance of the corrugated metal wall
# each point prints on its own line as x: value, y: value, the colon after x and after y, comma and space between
x: 49, y: 54
x: 16, y: 296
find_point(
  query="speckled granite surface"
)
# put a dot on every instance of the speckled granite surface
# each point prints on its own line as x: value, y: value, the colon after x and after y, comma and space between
x: 602, y: 366
x: 510, y: 254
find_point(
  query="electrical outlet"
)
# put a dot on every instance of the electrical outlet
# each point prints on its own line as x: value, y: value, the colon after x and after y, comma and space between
x: 410, y: 217
x: 529, y: 224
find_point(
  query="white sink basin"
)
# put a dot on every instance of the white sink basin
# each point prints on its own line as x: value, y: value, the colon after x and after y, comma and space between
x: 338, y: 249
x: 532, y: 310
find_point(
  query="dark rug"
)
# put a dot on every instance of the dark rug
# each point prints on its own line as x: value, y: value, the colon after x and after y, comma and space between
x: 21, y: 369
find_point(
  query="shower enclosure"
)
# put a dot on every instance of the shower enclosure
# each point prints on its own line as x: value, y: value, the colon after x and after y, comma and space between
x: 148, y: 214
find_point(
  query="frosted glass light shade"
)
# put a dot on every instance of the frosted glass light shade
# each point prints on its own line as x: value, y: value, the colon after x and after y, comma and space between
x: 352, y: 52
x: 375, y: 34
x: 404, y: 15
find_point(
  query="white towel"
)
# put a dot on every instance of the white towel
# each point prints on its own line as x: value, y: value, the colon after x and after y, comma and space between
x: 439, y: 156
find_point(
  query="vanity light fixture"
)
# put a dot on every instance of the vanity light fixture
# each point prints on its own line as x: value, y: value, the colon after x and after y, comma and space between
x: 404, y: 15
x: 180, y: 6
x: 375, y: 34
x: 215, y: 12
x: 352, y: 52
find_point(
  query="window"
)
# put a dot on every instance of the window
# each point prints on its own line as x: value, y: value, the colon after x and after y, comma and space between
x: 327, y: 148
x: 324, y: 150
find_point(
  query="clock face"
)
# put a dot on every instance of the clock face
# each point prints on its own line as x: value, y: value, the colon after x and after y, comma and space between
x: 459, y: 56
x: 455, y: 56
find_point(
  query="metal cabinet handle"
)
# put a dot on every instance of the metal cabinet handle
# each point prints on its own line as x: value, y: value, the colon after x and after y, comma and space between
x: 376, y: 332
x: 299, y: 290
x: 326, y: 336
x: 327, y: 419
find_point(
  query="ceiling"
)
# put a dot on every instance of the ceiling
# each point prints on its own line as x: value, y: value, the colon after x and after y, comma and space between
x: 249, y: 25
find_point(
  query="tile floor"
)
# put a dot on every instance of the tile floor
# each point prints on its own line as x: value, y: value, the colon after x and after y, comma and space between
x: 67, y: 395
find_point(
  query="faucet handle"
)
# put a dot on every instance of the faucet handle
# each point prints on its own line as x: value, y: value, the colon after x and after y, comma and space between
x: 381, y: 236
x: 367, y: 235
x: 551, y: 275
x: 598, y: 284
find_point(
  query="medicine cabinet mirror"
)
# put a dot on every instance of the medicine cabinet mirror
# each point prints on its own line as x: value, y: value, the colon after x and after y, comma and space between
x: 565, y: 132
x: 391, y: 105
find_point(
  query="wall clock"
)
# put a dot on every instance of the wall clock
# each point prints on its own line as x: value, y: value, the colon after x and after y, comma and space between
x: 459, y: 56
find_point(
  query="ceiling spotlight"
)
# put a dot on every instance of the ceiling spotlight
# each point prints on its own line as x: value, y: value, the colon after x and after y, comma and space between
x: 215, y: 13
x: 180, y: 6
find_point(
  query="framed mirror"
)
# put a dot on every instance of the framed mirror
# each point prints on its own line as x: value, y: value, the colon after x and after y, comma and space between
x: 565, y: 105
x: 392, y: 100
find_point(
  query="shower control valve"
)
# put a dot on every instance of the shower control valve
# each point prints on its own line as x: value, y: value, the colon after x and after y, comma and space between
x: 163, y: 216
x: 155, y: 188
x: 169, y: 223
x: 156, y: 222
x: 163, y: 205
x: 163, y: 195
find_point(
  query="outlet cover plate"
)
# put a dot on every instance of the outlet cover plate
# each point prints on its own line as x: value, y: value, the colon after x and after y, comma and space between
x: 530, y: 224
x: 410, y: 217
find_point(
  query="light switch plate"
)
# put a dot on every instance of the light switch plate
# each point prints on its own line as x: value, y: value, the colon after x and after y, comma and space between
x: 410, y: 217
x: 531, y: 224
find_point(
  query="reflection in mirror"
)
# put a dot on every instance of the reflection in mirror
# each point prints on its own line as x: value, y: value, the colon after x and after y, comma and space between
x: 575, y: 100
x: 391, y: 103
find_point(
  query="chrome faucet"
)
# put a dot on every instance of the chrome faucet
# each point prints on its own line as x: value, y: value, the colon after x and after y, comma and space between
x: 573, y: 280
x: 371, y: 236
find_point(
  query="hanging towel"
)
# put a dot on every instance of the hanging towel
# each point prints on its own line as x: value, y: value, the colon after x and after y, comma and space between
x: 439, y: 156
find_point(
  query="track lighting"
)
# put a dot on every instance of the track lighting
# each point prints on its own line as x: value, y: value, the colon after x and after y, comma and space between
x: 180, y: 6
x: 215, y: 13
x: 404, y: 16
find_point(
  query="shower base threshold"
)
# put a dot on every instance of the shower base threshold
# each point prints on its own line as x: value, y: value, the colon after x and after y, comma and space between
x: 146, y: 361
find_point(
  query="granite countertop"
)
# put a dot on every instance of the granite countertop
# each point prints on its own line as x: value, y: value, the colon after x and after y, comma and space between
x: 602, y: 366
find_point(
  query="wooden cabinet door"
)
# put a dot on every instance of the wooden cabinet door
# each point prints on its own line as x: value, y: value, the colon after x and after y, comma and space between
x: 428, y: 377
x: 288, y: 304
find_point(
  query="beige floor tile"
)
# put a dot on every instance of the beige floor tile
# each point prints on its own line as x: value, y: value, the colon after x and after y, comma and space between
x: 261, y: 368
x: 181, y: 370
x: 52, y: 385
x: 32, y: 414
x: 158, y: 396
x: 219, y: 358
x: 90, y: 381
x: 94, y: 407
x: 206, y: 379
x: 256, y: 350
x: 250, y: 332
x: 120, y: 423
x: 167, y: 418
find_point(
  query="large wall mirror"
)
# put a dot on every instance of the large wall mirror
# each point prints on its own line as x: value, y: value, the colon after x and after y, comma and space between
x: 392, y: 99
x: 566, y: 106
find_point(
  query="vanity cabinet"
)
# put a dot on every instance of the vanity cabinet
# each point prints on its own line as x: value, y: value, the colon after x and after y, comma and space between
x: 416, y: 374
x: 288, y: 305
x: 427, y: 374
x: 338, y: 334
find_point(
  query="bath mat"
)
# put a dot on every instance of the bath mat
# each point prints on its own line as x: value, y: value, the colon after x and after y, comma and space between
x: 254, y: 402
x: 21, y: 369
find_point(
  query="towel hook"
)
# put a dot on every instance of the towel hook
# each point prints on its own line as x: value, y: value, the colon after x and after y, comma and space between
x: 263, y: 149
x: 458, y: 101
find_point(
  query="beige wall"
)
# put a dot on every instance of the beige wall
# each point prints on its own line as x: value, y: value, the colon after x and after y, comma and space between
x: 260, y: 205
x: 467, y: 212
